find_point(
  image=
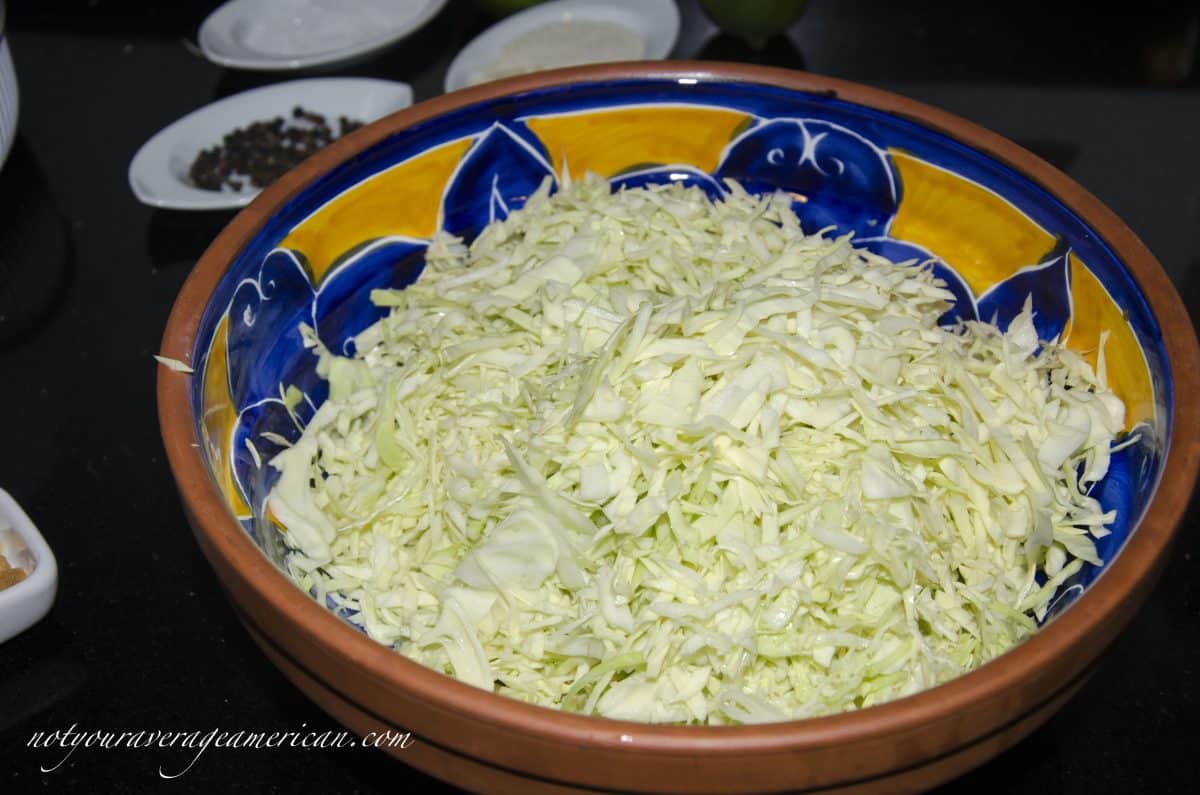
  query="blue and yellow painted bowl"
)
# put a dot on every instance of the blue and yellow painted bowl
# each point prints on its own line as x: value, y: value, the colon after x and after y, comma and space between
x: 909, y: 181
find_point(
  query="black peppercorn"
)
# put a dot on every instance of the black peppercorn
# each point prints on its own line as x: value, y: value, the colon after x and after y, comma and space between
x: 262, y: 151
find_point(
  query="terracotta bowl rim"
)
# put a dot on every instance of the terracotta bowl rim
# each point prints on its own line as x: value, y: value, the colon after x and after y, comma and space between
x: 1133, y: 569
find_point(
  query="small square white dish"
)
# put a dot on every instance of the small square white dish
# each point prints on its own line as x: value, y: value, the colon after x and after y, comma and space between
x: 25, y: 603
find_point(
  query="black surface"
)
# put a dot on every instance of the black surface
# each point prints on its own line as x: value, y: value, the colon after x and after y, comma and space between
x: 142, y: 639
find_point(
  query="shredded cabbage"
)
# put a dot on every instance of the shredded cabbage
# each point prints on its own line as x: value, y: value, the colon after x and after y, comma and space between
x: 174, y: 364
x: 648, y: 456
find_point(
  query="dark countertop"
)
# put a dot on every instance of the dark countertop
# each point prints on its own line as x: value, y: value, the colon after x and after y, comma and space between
x: 141, y: 638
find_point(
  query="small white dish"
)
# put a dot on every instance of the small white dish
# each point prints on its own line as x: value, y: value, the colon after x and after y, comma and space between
x: 655, y: 22
x: 158, y: 173
x: 272, y: 35
x: 23, y: 605
x: 9, y: 96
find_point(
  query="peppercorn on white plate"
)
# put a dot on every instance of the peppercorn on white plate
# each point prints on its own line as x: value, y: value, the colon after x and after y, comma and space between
x: 159, y: 172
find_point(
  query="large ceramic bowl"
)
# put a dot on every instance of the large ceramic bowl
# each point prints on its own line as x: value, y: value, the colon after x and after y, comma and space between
x: 907, y: 179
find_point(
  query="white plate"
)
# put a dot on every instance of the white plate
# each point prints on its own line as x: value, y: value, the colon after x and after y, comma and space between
x: 158, y: 172
x: 296, y: 34
x: 655, y: 22
x: 9, y: 97
x: 23, y: 605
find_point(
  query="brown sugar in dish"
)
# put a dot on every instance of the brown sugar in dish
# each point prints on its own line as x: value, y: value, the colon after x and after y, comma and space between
x: 10, y: 575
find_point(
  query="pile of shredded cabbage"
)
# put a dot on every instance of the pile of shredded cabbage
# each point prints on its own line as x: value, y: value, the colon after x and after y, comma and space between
x: 647, y: 456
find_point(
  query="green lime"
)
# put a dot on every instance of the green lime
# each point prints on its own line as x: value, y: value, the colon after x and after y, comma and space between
x: 753, y: 20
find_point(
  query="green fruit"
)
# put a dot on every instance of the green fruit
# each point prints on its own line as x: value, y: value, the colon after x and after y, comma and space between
x: 754, y: 20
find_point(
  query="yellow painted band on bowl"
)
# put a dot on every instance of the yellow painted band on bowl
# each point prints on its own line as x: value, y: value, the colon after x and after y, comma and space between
x: 220, y: 417
x: 1125, y: 361
x: 983, y: 237
x: 610, y: 141
x: 405, y: 199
